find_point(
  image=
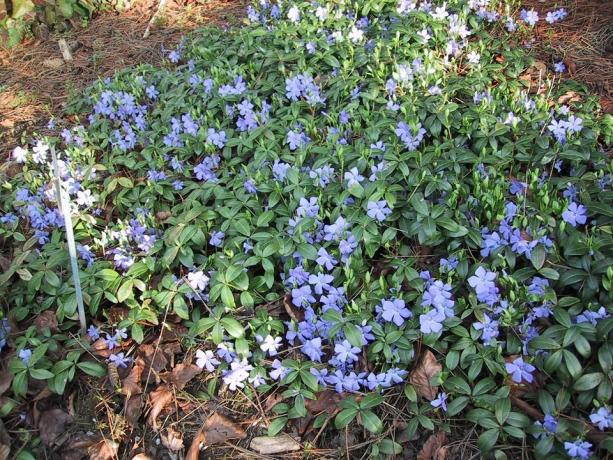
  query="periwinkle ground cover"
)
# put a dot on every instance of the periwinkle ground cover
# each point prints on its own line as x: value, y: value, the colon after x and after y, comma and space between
x: 380, y: 167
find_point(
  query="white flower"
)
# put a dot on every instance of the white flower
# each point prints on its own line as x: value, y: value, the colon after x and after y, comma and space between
x: 197, y: 280
x: 440, y: 12
x: 322, y: 13
x: 257, y: 381
x: 238, y: 373
x: 356, y: 35
x: 270, y: 344
x: 474, y: 57
x: 424, y: 35
x: 40, y: 152
x: 293, y: 14
x: 19, y: 154
x: 206, y: 359
x: 85, y: 198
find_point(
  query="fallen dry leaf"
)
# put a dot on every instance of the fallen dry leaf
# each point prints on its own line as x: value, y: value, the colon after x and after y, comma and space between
x: 4, y: 452
x: 216, y: 430
x: 99, y: 348
x: 131, y: 384
x: 181, y: 375
x: 267, y: 445
x: 294, y: 313
x: 104, y: 450
x: 133, y: 410
x: 194, y: 449
x: 433, y: 448
x: 172, y: 440
x: 154, y: 359
x: 141, y: 457
x: 569, y: 96
x: 46, y: 320
x: 6, y: 378
x: 422, y: 375
x: 52, y: 424
x: 159, y: 399
x: 325, y: 401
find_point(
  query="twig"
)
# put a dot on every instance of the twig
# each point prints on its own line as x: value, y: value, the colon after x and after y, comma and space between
x: 154, y: 17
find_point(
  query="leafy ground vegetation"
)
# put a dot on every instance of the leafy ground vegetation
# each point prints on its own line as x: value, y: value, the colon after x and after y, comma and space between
x: 374, y: 226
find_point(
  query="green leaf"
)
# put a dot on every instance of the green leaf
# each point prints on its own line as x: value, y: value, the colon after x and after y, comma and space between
x: 543, y: 343
x: 344, y: 418
x: 353, y: 335
x: 125, y: 291
x: 276, y: 426
x: 389, y: 447
x: 40, y: 374
x: 549, y: 273
x: 242, y: 226
x: 227, y: 297
x: 107, y: 274
x: 538, y: 256
x: 419, y: 204
x: 488, y: 439
x: 588, y: 381
x: 21, y: 8
x: 371, y: 421
x: 371, y: 400
x: 233, y: 327
x: 91, y: 368
x: 233, y: 272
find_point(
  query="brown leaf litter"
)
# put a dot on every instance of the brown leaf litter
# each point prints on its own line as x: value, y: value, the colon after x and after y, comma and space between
x: 217, y: 429
x: 434, y: 448
x: 422, y: 375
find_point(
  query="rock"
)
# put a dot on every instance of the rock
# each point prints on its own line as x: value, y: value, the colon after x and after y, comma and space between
x: 53, y: 63
x: 267, y: 445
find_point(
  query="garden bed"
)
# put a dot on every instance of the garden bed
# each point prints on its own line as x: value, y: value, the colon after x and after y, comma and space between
x: 365, y: 231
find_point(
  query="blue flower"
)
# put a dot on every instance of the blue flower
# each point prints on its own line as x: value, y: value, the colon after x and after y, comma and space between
x: 345, y: 352
x: 313, y: 349
x: 93, y: 332
x: 303, y: 296
x: 217, y: 238
x: 325, y: 259
x: 24, y: 355
x: 394, y: 311
x: 520, y: 371
x: 411, y: 141
x: 353, y: 177
x: 120, y: 360
x: 448, y: 264
x: 250, y: 186
x: 530, y: 17
x: 308, y: 208
x: 111, y: 341
x: 489, y: 328
x: 320, y: 282
x: 575, y: 214
x: 279, y: 170
x: 537, y: 286
x: 602, y: 418
x: 431, y: 322
x: 378, y: 210
x: 483, y: 284
x: 440, y: 401
x: 578, y: 449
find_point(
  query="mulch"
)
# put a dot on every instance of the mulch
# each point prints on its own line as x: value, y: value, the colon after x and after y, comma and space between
x: 35, y: 82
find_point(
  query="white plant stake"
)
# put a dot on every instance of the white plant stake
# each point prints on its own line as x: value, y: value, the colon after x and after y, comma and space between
x: 64, y: 207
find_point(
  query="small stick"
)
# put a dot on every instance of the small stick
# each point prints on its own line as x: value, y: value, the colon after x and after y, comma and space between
x: 154, y: 17
x: 64, y: 207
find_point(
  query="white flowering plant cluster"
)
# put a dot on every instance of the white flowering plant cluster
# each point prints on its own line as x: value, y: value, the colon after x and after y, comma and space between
x: 327, y: 196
